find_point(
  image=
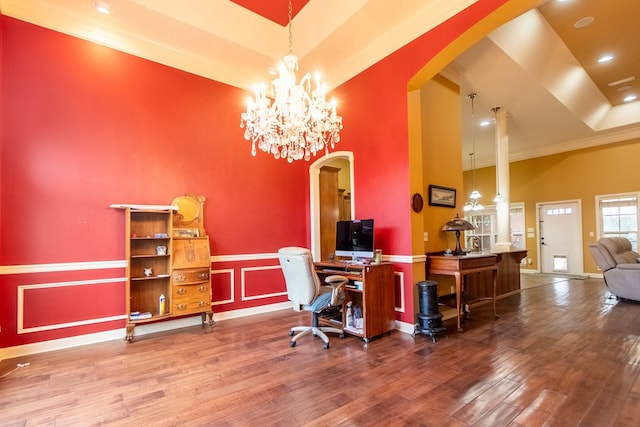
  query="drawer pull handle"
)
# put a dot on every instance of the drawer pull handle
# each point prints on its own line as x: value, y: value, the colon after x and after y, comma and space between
x: 203, y: 288
x: 179, y: 278
x: 182, y: 291
x: 204, y: 275
x: 181, y: 306
x: 202, y: 303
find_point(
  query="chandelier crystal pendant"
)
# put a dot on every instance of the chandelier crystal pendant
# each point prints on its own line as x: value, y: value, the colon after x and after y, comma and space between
x: 473, y: 204
x: 295, y: 121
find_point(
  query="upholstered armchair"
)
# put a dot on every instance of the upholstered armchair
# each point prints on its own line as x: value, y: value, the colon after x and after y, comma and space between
x: 305, y: 291
x: 620, y: 266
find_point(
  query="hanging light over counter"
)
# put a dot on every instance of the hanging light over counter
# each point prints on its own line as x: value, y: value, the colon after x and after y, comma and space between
x: 473, y: 204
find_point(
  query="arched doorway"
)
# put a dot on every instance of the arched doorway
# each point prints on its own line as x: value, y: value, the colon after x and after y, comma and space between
x: 337, y: 166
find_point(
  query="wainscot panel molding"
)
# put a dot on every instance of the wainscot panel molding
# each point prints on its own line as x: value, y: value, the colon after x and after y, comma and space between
x: 63, y: 266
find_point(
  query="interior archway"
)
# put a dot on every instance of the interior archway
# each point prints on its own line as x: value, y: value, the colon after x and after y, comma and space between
x: 314, y: 195
x: 502, y: 15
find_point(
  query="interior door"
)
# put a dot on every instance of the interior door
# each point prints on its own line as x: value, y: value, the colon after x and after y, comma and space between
x: 560, y: 238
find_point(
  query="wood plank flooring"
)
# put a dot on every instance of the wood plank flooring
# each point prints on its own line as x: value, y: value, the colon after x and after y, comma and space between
x: 562, y: 353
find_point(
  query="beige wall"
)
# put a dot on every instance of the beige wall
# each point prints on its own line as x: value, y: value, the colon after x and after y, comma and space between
x: 580, y: 174
x: 441, y: 156
x: 441, y: 163
x: 344, y: 175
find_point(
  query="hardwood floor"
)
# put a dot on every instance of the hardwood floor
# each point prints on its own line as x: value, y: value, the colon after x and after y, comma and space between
x: 561, y: 354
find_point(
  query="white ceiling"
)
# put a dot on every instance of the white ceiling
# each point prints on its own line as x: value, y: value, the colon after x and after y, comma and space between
x: 524, y: 67
x: 553, y: 105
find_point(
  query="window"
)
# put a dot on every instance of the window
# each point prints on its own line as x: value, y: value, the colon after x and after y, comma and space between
x: 486, y: 232
x: 560, y: 211
x: 618, y: 217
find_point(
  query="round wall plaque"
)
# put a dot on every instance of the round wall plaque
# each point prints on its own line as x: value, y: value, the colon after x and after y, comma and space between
x: 417, y: 203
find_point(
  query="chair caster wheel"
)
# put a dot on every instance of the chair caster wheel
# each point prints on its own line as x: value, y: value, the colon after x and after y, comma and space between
x: 341, y: 336
x: 326, y: 346
x: 291, y: 334
x: 292, y: 344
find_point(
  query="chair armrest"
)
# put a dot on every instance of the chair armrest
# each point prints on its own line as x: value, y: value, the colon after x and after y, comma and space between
x: 337, y: 283
x: 635, y: 266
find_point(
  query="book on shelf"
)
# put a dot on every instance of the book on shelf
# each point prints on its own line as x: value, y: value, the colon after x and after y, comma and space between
x: 355, y: 284
x: 136, y: 315
x: 336, y: 320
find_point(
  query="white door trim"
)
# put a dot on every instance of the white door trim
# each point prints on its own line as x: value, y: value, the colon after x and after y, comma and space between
x: 580, y: 252
x: 314, y: 196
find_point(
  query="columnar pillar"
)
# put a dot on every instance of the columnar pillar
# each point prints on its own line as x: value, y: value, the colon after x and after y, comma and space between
x: 502, y: 182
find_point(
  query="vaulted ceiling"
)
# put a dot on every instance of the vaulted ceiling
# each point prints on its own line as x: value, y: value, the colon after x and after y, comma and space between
x: 540, y: 68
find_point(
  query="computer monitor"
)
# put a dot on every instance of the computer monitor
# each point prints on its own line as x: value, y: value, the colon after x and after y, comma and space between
x: 355, y: 239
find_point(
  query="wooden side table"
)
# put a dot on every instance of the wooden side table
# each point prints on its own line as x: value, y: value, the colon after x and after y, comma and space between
x: 459, y: 266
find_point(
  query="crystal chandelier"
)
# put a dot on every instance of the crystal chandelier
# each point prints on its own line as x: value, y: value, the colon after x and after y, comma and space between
x: 473, y: 204
x: 294, y: 121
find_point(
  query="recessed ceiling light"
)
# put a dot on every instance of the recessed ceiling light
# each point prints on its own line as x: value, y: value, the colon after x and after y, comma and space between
x: 485, y: 123
x: 605, y: 58
x: 624, y: 88
x: 630, y: 98
x: 584, y: 22
x: 103, y: 6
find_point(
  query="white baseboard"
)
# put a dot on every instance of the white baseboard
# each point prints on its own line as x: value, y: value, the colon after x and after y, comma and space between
x: 405, y: 327
x: 60, y: 344
x: 586, y: 275
x: 119, y: 334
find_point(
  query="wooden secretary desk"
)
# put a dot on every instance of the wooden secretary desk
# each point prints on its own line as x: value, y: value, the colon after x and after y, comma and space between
x: 191, y: 269
x: 168, y: 262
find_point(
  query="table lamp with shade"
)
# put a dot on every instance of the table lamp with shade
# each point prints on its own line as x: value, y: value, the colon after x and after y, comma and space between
x: 458, y: 224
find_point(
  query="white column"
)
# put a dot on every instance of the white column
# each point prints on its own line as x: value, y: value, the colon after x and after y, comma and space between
x: 502, y: 182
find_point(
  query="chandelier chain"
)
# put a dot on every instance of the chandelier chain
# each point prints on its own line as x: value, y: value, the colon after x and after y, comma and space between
x: 290, y: 28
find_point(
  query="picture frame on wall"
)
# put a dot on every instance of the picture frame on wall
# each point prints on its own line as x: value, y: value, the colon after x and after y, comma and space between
x: 442, y: 196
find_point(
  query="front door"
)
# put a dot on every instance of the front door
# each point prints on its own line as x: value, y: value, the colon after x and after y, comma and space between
x: 560, y: 237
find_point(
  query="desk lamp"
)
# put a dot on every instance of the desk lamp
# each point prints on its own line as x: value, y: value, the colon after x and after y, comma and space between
x: 457, y: 224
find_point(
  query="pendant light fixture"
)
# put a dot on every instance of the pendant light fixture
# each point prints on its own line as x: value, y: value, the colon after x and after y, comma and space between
x: 473, y: 204
x: 294, y: 121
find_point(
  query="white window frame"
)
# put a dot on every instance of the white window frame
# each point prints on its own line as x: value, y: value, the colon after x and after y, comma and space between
x: 599, y: 216
x: 519, y: 236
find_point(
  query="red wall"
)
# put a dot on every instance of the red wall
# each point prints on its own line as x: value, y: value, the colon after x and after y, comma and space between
x: 83, y: 126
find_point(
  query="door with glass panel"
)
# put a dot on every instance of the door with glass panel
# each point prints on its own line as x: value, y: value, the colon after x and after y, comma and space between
x: 560, y: 238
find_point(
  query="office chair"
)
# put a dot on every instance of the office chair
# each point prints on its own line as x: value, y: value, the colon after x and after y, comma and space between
x: 306, y: 292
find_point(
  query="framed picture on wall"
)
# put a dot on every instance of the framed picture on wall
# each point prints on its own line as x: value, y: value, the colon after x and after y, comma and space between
x: 442, y: 196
